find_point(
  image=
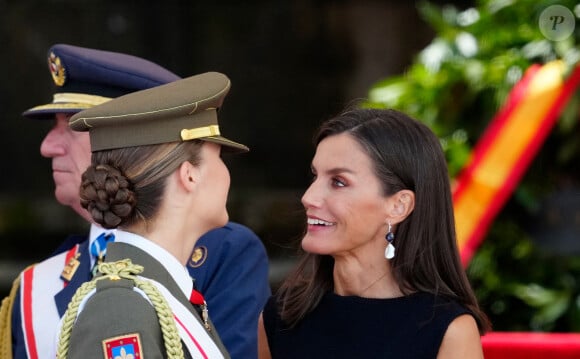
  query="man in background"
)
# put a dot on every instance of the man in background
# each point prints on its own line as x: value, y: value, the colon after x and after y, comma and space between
x: 229, y: 264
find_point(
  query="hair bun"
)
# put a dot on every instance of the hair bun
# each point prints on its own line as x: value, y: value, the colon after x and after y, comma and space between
x: 107, y: 195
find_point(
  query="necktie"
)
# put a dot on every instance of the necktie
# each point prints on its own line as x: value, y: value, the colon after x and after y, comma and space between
x: 196, y: 298
x: 99, y: 248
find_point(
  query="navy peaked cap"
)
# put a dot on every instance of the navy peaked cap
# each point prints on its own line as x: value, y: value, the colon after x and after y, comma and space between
x: 88, y: 77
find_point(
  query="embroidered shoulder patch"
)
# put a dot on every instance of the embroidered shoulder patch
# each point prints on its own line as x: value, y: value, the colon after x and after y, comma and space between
x: 123, y: 347
x: 198, y: 256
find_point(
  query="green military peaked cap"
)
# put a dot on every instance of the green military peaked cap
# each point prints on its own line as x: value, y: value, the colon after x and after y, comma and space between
x: 182, y: 110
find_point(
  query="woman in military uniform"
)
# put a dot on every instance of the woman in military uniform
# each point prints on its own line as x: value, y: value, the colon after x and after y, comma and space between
x: 156, y: 176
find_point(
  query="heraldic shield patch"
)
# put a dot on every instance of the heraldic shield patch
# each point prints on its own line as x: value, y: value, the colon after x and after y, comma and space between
x: 123, y: 347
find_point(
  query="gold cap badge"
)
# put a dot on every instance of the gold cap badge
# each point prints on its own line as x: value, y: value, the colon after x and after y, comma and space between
x: 56, y: 69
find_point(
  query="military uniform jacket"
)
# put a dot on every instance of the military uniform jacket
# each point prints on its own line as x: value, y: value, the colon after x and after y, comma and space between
x: 229, y: 264
x: 43, y: 296
x: 117, y: 313
x: 230, y: 268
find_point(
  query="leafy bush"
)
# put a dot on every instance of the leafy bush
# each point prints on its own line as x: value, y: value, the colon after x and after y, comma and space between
x: 526, y: 272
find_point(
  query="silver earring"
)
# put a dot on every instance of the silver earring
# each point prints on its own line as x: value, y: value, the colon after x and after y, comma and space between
x: 390, y: 250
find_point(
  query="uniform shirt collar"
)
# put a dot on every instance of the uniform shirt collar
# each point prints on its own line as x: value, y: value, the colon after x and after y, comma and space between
x: 96, y: 231
x: 166, y: 259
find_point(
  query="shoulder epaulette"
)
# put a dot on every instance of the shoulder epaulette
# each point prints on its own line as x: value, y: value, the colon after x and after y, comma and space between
x: 123, y: 269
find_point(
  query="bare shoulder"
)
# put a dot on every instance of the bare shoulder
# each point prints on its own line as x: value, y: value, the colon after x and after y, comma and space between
x: 263, y: 348
x: 461, y: 340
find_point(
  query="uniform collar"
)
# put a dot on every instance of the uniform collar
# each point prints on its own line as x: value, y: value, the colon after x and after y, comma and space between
x: 96, y: 231
x: 166, y: 259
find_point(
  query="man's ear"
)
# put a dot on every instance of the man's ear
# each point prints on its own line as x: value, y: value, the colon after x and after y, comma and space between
x: 400, y: 205
x: 188, y: 176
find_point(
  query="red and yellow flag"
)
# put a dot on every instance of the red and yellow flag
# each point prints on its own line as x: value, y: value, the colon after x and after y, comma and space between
x: 504, y: 152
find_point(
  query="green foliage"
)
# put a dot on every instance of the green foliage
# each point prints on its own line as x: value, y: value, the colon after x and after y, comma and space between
x: 456, y: 85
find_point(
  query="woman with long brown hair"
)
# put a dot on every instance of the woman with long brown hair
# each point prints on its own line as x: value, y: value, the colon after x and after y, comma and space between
x: 381, y: 276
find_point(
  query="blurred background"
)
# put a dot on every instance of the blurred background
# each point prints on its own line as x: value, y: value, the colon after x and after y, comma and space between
x: 294, y: 64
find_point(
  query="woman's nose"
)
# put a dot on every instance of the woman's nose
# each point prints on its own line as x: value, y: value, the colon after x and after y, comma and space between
x: 311, y: 197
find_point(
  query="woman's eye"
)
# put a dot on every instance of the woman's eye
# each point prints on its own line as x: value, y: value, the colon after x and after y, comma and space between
x: 338, y: 183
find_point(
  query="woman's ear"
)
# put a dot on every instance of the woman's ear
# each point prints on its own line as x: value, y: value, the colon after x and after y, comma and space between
x: 400, y: 205
x: 188, y: 176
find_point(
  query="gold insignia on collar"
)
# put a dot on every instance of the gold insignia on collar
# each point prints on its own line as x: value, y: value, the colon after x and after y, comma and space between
x: 56, y: 69
x: 198, y: 256
x: 70, y: 268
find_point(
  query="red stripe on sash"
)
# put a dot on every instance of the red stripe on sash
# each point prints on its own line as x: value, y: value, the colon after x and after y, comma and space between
x: 192, y: 338
x: 27, y: 305
x: 27, y: 312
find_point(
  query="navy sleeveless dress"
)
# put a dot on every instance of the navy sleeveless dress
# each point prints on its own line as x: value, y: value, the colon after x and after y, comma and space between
x: 412, y: 326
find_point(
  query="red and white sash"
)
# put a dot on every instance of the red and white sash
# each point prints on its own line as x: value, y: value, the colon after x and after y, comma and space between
x: 196, y: 338
x: 39, y: 314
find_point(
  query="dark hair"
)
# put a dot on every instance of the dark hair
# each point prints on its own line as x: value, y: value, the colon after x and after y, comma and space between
x: 405, y: 154
x: 123, y: 186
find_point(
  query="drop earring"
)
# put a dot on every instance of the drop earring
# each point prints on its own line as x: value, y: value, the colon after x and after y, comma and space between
x: 390, y: 250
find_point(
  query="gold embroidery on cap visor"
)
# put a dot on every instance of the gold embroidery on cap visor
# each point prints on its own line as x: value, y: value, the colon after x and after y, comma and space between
x: 70, y: 97
x: 201, y: 132
x: 67, y: 100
